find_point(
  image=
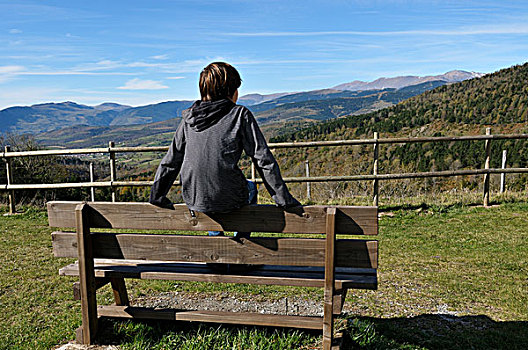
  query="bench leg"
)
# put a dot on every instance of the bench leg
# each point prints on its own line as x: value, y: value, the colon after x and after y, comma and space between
x: 99, y: 282
x: 339, y: 300
x: 328, y: 321
x: 120, y: 291
x: 86, y: 276
x: 328, y: 316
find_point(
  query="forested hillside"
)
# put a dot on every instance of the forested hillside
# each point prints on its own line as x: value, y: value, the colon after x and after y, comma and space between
x: 498, y: 100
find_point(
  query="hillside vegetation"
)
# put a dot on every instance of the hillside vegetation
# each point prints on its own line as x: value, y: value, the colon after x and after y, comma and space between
x: 330, y: 104
x: 498, y: 100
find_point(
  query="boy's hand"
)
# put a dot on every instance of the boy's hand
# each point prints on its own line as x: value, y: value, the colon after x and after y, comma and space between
x: 163, y: 202
x: 294, y: 207
x: 297, y: 209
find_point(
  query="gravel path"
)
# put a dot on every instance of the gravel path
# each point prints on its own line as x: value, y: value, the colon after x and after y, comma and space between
x: 227, y: 302
x: 224, y: 301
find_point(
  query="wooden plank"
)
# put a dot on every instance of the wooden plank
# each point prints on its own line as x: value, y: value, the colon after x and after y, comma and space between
x: 395, y: 140
x: 365, y: 282
x: 255, y: 319
x: 344, y: 178
x: 86, y: 276
x: 328, y: 306
x: 177, y: 266
x: 254, y: 218
x: 267, y: 275
x: 274, y: 145
x: 276, y: 251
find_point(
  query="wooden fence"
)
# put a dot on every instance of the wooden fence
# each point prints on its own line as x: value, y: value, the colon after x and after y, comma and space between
x: 375, y: 177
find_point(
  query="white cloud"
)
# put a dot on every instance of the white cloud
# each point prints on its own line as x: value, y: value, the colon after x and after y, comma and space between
x: 138, y: 84
x: 99, y: 65
x: 10, y: 69
x: 8, y: 72
x: 141, y: 64
x: 72, y: 72
x: 175, y: 78
x: 520, y: 28
x: 15, y: 31
x: 160, y: 57
x: 107, y: 63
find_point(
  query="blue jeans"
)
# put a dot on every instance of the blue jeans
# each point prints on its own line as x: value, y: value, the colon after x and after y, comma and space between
x: 252, y: 199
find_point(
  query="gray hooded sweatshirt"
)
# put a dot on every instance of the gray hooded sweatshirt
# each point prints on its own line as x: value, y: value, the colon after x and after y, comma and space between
x: 206, y: 149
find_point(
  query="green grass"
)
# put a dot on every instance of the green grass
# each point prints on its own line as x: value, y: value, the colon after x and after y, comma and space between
x: 451, y: 277
x: 156, y: 335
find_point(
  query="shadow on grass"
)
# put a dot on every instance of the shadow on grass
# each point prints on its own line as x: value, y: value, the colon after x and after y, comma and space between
x: 432, y: 331
x: 446, y: 207
x: 425, y: 206
x: 435, y: 331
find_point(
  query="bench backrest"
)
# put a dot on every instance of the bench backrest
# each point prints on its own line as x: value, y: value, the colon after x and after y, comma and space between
x: 346, y: 220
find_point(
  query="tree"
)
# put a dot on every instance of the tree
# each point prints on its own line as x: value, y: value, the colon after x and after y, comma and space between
x: 41, y: 170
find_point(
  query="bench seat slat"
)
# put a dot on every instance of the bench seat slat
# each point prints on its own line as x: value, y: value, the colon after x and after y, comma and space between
x: 261, y: 250
x: 254, y: 218
x: 198, y: 272
x: 256, y: 319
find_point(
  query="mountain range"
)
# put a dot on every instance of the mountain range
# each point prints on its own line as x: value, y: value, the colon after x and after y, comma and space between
x: 498, y: 100
x: 275, y: 110
x: 453, y: 76
x: 282, y: 115
x: 53, y: 116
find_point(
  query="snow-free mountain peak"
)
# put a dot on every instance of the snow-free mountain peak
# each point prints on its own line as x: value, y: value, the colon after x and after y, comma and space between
x: 403, y: 81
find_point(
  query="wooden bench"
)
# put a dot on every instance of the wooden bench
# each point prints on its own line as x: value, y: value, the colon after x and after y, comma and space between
x: 109, y: 257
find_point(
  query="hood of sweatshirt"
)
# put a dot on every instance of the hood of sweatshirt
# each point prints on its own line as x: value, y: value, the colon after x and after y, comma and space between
x: 204, y: 114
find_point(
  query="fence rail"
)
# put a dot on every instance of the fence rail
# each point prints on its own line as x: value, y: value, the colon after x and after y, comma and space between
x: 373, y: 141
x: 375, y: 177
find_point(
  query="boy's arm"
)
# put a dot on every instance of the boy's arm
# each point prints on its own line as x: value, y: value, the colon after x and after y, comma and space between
x: 168, y: 170
x: 256, y: 147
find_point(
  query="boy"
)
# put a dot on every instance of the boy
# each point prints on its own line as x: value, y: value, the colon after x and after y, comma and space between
x: 207, y: 147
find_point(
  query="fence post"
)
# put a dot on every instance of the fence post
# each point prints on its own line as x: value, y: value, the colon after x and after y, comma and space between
x: 503, y: 175
x: 9, y: 175
x: 92, y: 189
x: 375, y: 182
x: 253, y: 177
x: 308, y: 185
x: 111, y: 144
x: 487, y: 166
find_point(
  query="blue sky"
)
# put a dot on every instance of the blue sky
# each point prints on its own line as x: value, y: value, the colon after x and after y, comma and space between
x: 140, y: 52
